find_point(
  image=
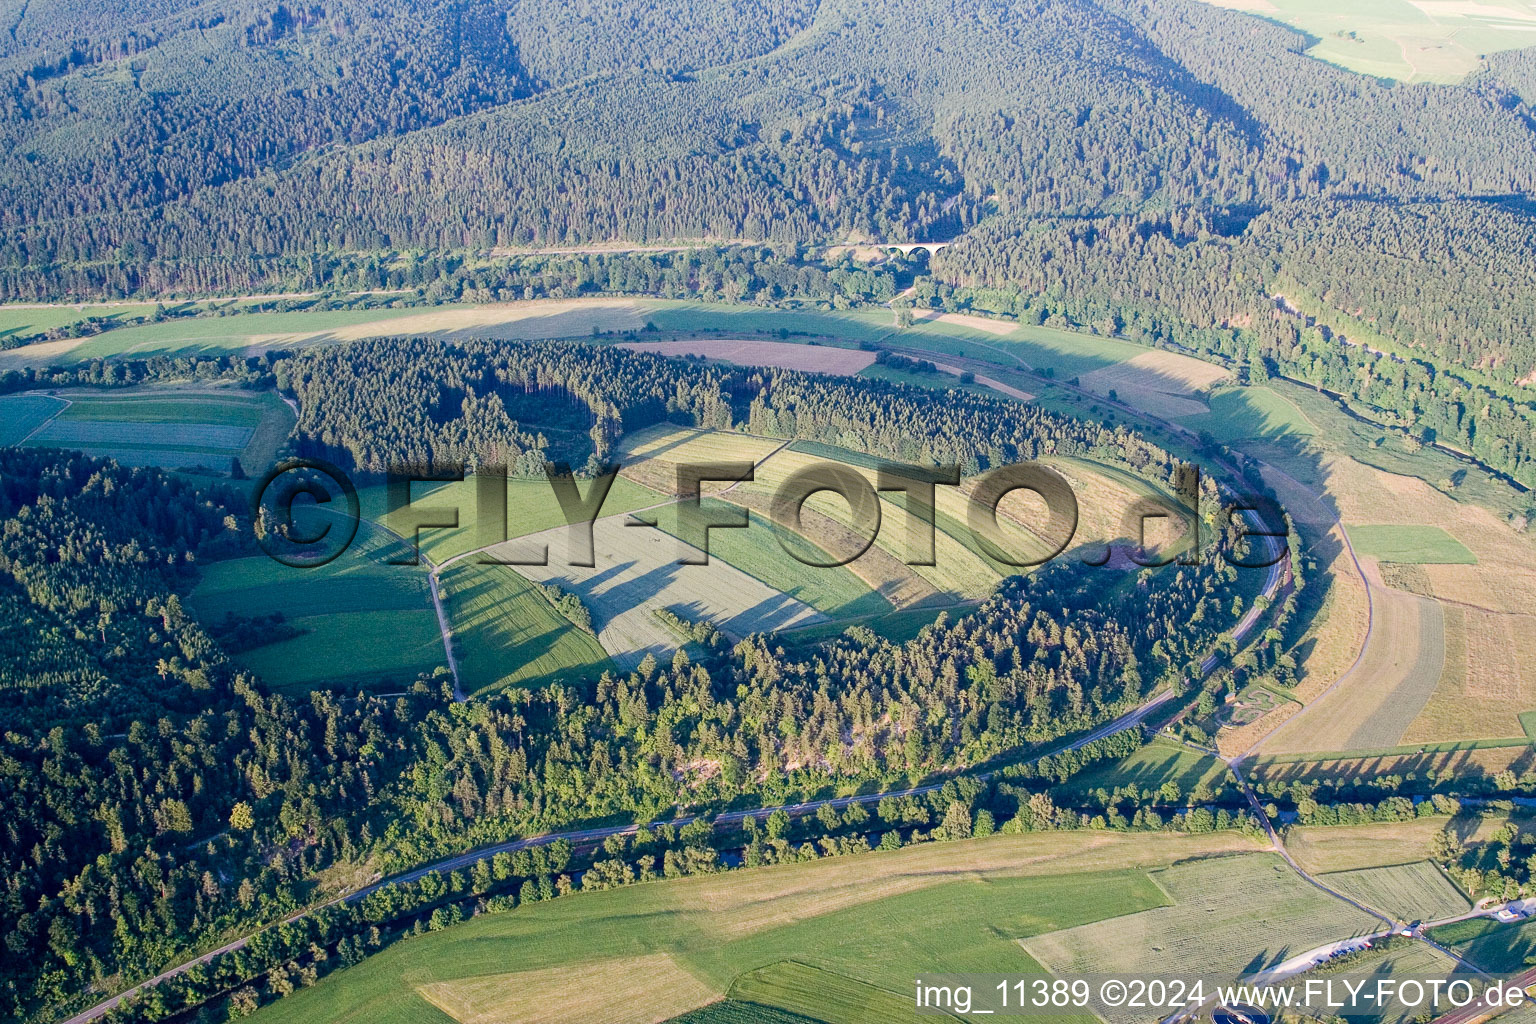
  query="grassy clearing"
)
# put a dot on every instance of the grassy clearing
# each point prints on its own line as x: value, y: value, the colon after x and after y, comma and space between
x: 506, y: 634
x: 756, y: 551
x: 1234, y: 915
x: 1411, y: 892
x: 21, y: 415
x: 1495, y: 947
x: 876, y: 920
x: 1238, y: 414
x: 362, y: 623
x: 1415, y: 545
x: 531, y: 508
x: 1159, y: 762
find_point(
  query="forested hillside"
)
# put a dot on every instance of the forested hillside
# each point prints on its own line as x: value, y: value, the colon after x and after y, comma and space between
x: 228, y: 130
x: 1176, y: 171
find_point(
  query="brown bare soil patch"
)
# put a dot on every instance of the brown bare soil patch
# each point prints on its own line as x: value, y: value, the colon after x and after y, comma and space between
x: 631, y: 990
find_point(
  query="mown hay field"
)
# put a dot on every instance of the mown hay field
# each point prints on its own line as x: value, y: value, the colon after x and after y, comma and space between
x: 1497, y: 948
x: 1163, y: 384
x: 1337, y: 848
x: 876, y: 920
x: 250, y: 332
x: 1425, y: 41
x: 628, y: 990
x: 1403, y: 664
x: 756, y: 550
x: 1414, y: 544
x: 171, y: 427
x: 1410, y: 892
x: 1231, y: 915
x: 638, y: 570
x: 729, y: 1011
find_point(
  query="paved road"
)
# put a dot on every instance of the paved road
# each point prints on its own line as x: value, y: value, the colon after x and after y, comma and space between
x: 1481, y: 1009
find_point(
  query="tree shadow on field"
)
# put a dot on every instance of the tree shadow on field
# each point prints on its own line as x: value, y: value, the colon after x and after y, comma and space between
x: 767, y: 615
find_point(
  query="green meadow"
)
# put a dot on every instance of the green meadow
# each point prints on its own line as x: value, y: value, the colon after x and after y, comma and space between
x: 506, y: 634
x: 1239, y: 414
x: 1414, y: 545
x: 531, y: 508
x: 842, y: 938
x: 361, y: 623
x: 1159, y: 762
x: 155, y: 426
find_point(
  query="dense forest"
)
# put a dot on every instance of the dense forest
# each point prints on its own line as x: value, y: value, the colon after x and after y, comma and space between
x: 232, y: 131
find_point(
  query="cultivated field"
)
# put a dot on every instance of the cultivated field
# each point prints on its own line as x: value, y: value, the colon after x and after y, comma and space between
x: 1414, y: 545
x: 1340, y: 848
x: 652, y: 456
x: 1233, y: 915
x: 1403, y: 663
x: 172, y: 427
x: 1411, y: 40
x: 637, y: 571
x: 1409, y: 892
x: 876, y: 920
x: 1163, y: 384
x: 1497, y: 948
x: 22, y: 415
x: 784, y: 355
x: 361, y: 623
x: 506, y: 634
x: 531, y: 508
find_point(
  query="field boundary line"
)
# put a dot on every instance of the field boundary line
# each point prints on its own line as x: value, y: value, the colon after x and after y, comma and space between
x: 56, y: 414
